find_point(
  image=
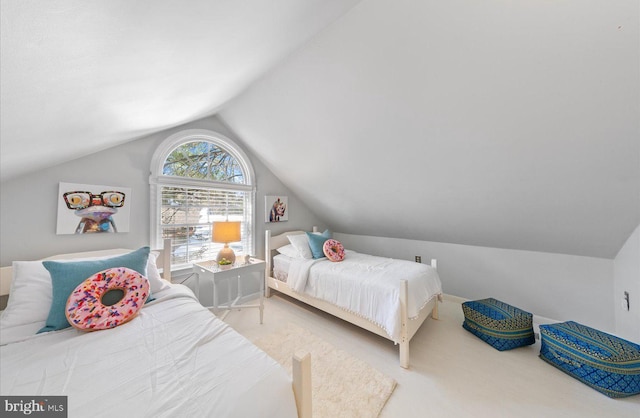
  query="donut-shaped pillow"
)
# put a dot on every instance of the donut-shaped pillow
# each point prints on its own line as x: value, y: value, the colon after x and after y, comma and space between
x: 333, y: 250
x: 87, y: 311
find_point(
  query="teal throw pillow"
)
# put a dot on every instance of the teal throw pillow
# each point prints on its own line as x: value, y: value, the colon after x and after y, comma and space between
x: 316, y: 241
x: 65, y: 277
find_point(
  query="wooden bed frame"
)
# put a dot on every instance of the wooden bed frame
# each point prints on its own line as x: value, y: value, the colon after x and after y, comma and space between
x: 163, y: 262
x: 301, y: 360
x: 408, y: 326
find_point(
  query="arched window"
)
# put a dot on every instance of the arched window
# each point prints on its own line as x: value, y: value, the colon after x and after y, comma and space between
x: 199, y: 177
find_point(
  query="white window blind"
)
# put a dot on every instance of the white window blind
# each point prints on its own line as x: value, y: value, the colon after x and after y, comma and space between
x: 187, y: 216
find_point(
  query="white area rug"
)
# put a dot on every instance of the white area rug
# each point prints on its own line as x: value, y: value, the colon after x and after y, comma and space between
x: 343, y: 386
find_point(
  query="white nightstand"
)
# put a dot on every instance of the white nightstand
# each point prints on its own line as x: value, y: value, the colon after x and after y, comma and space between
x: 241, y: 272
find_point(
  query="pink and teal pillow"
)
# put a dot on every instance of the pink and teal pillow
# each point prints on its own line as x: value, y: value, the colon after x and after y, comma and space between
x: 66, y: 276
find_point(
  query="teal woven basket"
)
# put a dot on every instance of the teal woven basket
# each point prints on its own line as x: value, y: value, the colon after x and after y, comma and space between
x: 609, y: 364
x: 499, y: 324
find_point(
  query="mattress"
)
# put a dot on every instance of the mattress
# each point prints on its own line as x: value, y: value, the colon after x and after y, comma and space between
x: 365, y: 285
x: 174, y: 359
x: 281, y: 264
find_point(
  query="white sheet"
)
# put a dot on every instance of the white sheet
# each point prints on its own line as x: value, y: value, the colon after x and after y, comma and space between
x: 175, y: 359
x: 368, y: 286
x: 281, y: 264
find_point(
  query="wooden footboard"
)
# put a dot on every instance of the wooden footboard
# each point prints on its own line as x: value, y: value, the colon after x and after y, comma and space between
x: 302, y: 383
x: 409, y: 326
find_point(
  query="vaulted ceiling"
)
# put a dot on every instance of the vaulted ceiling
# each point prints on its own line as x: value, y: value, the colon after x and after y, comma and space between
x: 502, y: 124
x: 79, y: 76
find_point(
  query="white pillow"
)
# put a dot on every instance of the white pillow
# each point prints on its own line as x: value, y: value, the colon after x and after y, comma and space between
x: 301, y: 243
x: 30, y: 295
x: 289, y: 250
x: 31, y: 292
x: 156, y: 283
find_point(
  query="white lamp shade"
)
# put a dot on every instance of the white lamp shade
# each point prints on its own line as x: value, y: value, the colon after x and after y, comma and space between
x: 226, y: 232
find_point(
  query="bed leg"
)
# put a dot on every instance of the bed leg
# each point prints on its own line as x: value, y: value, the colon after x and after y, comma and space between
x: 302, y: 383
x: 404, y: 354
x: 267, y: 259
x: 404, y: 323
x: 434, y: 311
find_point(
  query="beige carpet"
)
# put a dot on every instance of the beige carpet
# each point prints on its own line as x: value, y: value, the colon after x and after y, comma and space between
x: 343, y: 386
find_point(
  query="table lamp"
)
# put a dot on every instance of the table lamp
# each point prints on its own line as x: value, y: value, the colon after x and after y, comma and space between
x: 224, y: 233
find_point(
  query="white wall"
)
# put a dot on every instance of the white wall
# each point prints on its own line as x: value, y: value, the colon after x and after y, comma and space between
x: 28, y: 204
x: 555, y: 286
x: 627, y: 278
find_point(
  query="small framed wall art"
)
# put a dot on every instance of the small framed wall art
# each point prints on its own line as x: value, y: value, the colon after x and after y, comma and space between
x: 276, y: 208
x: 90, y: 208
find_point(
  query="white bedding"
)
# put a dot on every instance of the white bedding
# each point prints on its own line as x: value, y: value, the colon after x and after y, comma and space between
x: 175, y: 359
x: 366, y: 285
x: 281, y: 264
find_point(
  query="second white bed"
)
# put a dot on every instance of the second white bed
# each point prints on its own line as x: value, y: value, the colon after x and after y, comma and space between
x: 389, y: 297
x: 361, y: 284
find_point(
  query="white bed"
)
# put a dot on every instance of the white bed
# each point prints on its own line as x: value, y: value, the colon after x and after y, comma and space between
x: 175, y: 358
x: 391, y: 298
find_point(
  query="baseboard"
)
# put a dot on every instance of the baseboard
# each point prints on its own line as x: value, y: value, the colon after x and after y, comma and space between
x: 452, y: 298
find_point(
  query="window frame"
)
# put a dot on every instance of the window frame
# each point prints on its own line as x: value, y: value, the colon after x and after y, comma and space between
x: 157, y: 179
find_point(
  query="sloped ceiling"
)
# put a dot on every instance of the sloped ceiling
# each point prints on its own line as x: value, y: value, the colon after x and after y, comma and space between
x: 500, y: 124
x: 79, y: 76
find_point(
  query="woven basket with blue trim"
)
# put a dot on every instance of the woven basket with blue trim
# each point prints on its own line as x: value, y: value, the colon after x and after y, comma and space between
x: 607, y: 363
x: 499, y: 324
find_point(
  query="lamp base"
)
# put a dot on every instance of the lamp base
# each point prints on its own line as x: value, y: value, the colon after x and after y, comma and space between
x: 227, y: 253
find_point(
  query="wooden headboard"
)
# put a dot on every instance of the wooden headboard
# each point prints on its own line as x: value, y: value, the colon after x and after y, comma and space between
x: 163, y: 261
x: 272, y: 242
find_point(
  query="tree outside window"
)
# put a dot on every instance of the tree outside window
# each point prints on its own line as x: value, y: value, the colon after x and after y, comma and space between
x: 198, y: 181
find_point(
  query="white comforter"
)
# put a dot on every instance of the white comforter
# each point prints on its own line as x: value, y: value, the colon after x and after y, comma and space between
x: 368, y: 286
x: 175, y: 359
